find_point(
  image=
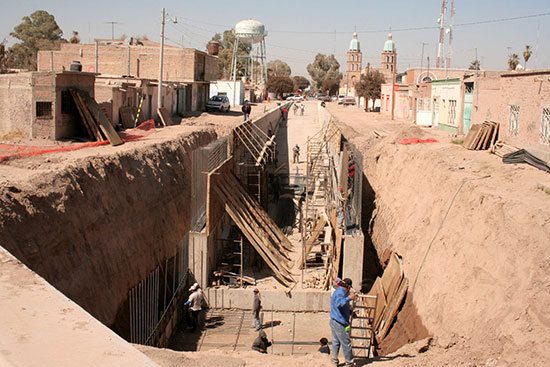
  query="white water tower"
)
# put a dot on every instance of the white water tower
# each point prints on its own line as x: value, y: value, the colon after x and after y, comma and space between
x: 253, y: 32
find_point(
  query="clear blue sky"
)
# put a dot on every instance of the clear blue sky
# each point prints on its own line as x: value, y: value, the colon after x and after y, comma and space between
x: 198, y: 20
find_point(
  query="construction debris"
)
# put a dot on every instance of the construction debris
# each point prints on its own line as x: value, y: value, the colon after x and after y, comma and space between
x: 523, y: 156
x: 481, y: 137
x: 379, y: 133
x: 164, y: 116
x: 95, y: 121
x: 500, y: 149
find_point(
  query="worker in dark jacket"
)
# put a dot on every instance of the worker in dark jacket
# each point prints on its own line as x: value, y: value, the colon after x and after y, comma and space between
x: 246, y: 110
x: 261, y: 343
x: 340, y: 311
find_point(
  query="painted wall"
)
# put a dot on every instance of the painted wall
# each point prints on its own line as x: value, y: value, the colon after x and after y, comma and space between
x: 446, y: 104
x: 231, y: 89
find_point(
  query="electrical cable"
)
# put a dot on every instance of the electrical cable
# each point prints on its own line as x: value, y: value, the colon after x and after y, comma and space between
x: 402, y: 322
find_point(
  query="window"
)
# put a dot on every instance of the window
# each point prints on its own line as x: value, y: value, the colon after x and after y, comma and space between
x: 513, y: 123
x: 44, y: 109
x: 545, y: 126
x: 452, y: 112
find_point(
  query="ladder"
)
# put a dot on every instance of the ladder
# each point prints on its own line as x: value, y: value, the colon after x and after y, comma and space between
x: 362, y: 325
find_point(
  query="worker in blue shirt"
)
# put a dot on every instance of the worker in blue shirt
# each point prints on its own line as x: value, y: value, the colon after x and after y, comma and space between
x: 340, y: 311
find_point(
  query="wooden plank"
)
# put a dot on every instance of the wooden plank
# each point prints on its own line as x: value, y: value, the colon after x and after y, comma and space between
x: 127, y: 117
x: 392, y: 276
x: 81, y: 113
x: 164, y: 116
x: 487, y: 137
x: 89, y: 119
x: 391, y: 310
x: 495, y: 133
x: 378, y: 290
x: 104, y: 123
x: 319, y: 227
x: 477, y: 138
x: 468, y: 140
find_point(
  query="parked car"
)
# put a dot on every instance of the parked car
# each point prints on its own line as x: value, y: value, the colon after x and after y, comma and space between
x: 325, y: 98
x: 218, y: 103
x: 341, y: 98
x: 348, y: 101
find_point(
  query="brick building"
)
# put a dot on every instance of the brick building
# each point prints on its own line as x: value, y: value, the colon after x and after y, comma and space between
x: 38, y: 104
x: 140, y: 59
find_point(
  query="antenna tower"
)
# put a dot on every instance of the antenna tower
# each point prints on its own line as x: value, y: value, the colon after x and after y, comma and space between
x: 451, y: 34
x: 441, y: 47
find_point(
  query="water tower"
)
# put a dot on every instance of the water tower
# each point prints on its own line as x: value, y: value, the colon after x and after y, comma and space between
x: 253, y: 32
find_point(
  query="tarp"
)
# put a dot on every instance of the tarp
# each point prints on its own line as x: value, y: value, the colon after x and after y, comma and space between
x: 417, y: 140
x: 523, y: 156
x: 16, y: 150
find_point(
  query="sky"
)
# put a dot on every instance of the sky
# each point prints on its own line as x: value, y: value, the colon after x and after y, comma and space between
x: 299, y: 29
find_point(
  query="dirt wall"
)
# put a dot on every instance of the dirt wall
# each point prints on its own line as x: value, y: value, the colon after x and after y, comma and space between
x: 99, y: 226
x: 474, y: 235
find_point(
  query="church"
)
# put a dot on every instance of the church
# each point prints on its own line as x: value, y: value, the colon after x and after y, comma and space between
x: 354, y: 68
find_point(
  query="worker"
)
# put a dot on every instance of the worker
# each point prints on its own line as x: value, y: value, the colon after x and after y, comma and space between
x: 246, y: 110
x: 296, y: 151
x: 261, y: 343
x: 195, y: 304
x: 302, y: 109
x: 340, y: 311
x: 324, y: 348
x: 256, y: 308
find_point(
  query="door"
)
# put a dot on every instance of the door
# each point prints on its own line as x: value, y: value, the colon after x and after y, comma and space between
x: 468, y: 102
x: 181, y: 101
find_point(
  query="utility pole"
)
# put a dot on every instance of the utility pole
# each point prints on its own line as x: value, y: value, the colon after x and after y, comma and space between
x: 112, y: 28
x: 162, y: 22
x: 422, y: 57
x: 394, y: 64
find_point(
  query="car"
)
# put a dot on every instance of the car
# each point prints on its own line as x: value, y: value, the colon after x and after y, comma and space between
x: 341, y: 98
x: 325, y: 98
x: 218, y: 103
x: 348, y: 101
x: 294, y: 98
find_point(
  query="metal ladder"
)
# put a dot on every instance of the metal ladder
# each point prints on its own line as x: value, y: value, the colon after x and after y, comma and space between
x: 362, y: 325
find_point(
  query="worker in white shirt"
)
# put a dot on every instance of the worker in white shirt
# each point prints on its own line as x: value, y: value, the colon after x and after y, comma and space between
x: 195, y: 304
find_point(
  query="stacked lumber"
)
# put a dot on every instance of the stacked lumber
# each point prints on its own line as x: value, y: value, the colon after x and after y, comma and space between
x: 390, y: 290
x: 319, y: 228
x: 95, y: 122
x: 257, y: 226
x: 481, y: 137
x: 501, y: 148
x: 164, y: 116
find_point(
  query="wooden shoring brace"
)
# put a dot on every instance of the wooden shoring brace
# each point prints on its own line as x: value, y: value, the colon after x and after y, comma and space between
x: 253, y: 136
x: 246, y: 145
x: 249, y: 203
x: 261, y: 214
x: 251, y: 233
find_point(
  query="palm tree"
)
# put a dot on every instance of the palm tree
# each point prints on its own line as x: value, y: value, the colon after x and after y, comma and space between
x: 513, y: 61
x: 527, y: 55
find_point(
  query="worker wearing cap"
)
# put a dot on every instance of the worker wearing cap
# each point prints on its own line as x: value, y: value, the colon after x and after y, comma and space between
x: 340, y: 311
x: 195, y: 304
x: 256, y: 308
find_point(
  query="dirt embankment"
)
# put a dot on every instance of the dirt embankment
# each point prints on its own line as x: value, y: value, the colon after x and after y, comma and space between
x: 474, y: 236
x: 95, y: 225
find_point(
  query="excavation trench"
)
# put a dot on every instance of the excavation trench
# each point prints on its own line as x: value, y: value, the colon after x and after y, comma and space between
x: 112, y: 232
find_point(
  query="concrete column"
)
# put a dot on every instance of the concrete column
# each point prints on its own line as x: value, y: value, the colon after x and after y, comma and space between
x: 352, y: 265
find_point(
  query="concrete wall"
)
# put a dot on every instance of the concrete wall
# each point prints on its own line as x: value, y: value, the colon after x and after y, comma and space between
x: 447, y: 104
x: 16, y: 104
x: 303, y: 301
x: 401, y: 108
x: 487, y: 104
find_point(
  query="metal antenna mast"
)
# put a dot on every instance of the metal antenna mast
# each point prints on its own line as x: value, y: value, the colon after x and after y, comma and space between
x: 441, y: 47
x: 451, y: 34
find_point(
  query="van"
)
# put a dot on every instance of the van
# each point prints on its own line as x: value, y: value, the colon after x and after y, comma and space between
x: 341, y: 98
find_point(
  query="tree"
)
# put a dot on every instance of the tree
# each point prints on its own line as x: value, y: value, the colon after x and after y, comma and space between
x: 330, y: 86
x: 5, y: 58
x: 513, y: 61
x: 370, y: 85
x: 300, y: 82
x: 475, y: 65
x: 74, y: 38
x: 324, y: 68
x: 225, y: 54
x: 527, y: 54
x: 37, y: 31
x: 280, y: 85
x: 278, y: 68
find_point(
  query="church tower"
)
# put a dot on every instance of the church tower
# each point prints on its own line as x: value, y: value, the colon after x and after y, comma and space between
x: 354, y: 65
x: 389, y: 57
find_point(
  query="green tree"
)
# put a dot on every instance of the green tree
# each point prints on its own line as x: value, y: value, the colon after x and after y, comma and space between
x: 513, y: 61
x: 475, y: 65
x: 37, y: 31
x: 74, y: 38
x: 324, y: 68
x: 280, y: 85
x: 278, y: 68
x: 225, y: 55
x: 370, y: 85
x: 527, y: 54
x: 330, y: 86
x: 5, y: 58
x: 300, y: 82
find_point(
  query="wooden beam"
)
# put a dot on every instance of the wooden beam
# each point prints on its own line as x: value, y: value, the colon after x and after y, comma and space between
x: 319, y: 227
x: 391, y: 310
x: 104, y: 123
